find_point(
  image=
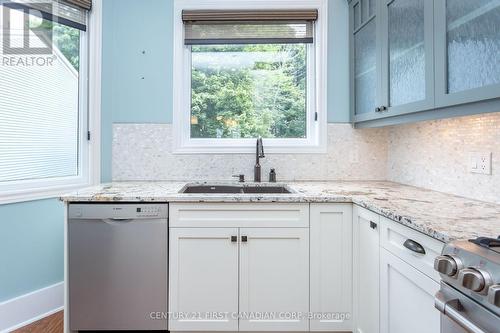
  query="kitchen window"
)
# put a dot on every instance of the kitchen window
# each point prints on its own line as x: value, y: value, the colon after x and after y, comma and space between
x: 44, y: 138
x: 249, y: 69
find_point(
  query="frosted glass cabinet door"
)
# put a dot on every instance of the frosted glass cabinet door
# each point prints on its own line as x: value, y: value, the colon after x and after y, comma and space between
x: 407, y: 55
x: 365, y: 56
x: 467, y: 50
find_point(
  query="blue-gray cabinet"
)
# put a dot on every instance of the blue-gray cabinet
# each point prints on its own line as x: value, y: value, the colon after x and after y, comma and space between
x: 467, y: 51
x: 365, y: 65
x: 423, y: 59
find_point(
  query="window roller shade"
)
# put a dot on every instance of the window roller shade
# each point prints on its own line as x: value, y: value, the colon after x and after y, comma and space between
x: 249, y: 27
x: 66, y: 12
x: 249, y: 15
x: 84, y: 4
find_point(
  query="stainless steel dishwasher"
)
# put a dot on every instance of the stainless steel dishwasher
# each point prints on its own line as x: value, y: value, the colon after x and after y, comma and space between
x: 117, y: 274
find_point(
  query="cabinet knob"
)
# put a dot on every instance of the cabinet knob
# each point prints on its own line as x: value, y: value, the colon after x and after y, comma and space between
x: 244, y: 239
x: 377, y: 109
x: 234, y: 239
x: 383, y: 108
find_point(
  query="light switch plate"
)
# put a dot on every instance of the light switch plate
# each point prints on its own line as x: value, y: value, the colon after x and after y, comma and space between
x: 480, y: 163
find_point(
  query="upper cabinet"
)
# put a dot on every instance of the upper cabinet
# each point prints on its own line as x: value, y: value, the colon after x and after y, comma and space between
x: 365, y: 65
x: 423, y: 59
x: 467, y: 51
x: 407, y: 56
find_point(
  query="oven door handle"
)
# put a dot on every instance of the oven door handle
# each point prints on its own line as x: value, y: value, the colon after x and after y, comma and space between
x: 453, y: 310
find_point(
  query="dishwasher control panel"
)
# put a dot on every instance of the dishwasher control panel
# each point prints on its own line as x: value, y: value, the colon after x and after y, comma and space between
x: 118, y: 211
x: 148, y: 211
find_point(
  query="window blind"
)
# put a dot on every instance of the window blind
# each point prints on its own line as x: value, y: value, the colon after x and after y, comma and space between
x: 72, y: 13
x: 203, y: 27
x: 39, y: 117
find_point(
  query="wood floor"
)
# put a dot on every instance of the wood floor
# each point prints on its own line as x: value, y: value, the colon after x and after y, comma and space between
x: 50, y: 324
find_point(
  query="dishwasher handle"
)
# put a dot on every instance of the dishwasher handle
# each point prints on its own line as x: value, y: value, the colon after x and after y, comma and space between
x: 116, y: 221
x: 453, y: 310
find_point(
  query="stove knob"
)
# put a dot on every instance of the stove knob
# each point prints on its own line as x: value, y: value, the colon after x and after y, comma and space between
x: 447, y: 265
x: 494, y: 295
x: 472, y: 279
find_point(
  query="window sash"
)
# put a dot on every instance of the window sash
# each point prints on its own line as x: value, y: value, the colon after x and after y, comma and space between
x: 317, y: 138
x: 30, y: 189
x: 310, y: 144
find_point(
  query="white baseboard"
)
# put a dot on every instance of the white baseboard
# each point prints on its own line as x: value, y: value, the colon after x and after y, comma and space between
x: 25, y: 309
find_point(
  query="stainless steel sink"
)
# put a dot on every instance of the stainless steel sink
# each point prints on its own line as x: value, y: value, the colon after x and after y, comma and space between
x: 240, y: 189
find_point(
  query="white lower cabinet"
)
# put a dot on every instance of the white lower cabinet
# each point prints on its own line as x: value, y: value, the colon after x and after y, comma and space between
x: 266, y: 267
x: 331, y: 267
x: 234, y: 274
x: 203, y: 273
x: 366, y: 245
x: 407, y: 298
x: 274, y: 279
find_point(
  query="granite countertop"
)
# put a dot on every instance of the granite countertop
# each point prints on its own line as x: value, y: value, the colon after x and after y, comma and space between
x: 442, y: 216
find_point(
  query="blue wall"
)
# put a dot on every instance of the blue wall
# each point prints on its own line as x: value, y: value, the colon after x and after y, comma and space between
x: 31, y: 246
x: 136, y: 67
x: 137, y: 87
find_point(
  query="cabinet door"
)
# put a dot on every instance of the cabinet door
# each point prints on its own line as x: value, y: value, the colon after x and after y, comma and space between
x: 467, y: 50
x: 366, y: 270
x: 331, y: 267
x: 365, y: 62
x: 274, y: 279
x: 203, y: 280
x: 407, y: 298
x: 407, y: 55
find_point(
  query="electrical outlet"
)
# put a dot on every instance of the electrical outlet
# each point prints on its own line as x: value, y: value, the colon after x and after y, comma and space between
x: 480, y: 163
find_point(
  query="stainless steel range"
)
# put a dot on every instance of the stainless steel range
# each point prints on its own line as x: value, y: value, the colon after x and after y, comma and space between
x: 469, y: 298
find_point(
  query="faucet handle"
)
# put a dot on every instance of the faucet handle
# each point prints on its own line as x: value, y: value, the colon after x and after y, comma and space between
x: 241, y: 178
x: 260, y: 148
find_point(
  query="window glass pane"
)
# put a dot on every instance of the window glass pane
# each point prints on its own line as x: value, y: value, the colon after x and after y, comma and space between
x: 246, y: 91
x: 473, y: 33
x: 39, y: 100
x: 406, y: 51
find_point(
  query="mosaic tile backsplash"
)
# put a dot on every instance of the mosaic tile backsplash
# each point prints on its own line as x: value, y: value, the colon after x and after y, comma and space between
x: 435, y: 155
x: 432, y: 154
x: 144, y: 152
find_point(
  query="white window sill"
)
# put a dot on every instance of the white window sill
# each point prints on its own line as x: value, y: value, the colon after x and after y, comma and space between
x: 24, y: 195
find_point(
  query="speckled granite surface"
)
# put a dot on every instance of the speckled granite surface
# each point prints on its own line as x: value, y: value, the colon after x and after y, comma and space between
x: 442, y: 216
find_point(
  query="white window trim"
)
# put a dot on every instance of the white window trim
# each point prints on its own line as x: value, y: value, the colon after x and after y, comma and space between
x: 90, y: 118
x: 315, y: 143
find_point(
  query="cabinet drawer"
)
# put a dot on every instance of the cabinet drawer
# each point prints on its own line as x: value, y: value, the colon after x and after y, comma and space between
x: 246, y: 215
x: 393, y: 237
